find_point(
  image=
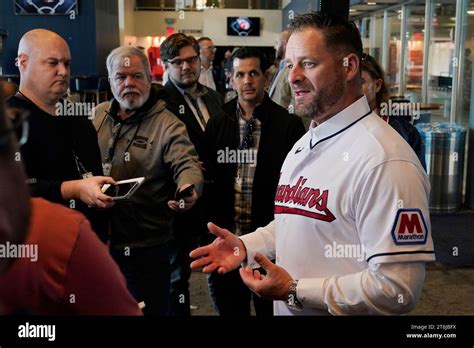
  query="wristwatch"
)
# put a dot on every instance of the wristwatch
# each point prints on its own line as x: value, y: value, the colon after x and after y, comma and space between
x: 292, y: 300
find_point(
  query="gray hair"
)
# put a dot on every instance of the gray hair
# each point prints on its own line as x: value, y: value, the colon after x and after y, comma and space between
x: 127, y: 51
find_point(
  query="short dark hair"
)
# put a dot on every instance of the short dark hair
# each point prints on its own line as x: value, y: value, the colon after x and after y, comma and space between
x: 340, y: 35
x: 203, y: 38
x: 251, y: 52
x: 171, y: 46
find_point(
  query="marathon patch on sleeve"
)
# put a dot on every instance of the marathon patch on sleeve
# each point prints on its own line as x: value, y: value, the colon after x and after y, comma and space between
x: 409, y: 227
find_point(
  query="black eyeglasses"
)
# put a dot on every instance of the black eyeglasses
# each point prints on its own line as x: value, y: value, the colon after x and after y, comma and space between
x: 19, y: 125
x: 210, y: 48
x: 178, y: 63
x: 247, y: 141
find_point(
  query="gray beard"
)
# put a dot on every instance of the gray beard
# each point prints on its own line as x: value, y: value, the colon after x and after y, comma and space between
x: 321, y: 103
x: 132, y: 105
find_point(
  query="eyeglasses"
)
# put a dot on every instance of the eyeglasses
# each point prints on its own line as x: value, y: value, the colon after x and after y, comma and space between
x: 247, y: 141
x: 20, y: 126
x: 211, y: 48
x: 178, y: 63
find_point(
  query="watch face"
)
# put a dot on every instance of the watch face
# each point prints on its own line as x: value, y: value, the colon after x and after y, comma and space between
x: 292, y: 300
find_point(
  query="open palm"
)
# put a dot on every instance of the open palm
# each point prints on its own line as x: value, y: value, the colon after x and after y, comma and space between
x: 226, y: 253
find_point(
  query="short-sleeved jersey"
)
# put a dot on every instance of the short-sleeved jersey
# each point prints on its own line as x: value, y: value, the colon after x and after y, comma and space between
x: 351, y: 192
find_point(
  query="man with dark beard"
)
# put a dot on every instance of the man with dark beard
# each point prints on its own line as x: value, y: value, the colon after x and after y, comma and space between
x: 350, y: 235
x: 138, y: 136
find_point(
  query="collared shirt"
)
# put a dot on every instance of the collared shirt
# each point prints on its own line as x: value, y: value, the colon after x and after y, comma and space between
x: 245, y: 174
x: 206, y: 77
x: 197, y: 94
x: 276, y: 77
x: 342, y: 208
x: 165, y: 77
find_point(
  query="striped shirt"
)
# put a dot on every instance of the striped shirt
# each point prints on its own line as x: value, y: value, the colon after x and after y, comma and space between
x: 245, y: 175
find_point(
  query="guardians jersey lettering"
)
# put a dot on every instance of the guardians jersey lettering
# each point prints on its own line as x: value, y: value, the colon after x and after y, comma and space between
x: 311, y: 198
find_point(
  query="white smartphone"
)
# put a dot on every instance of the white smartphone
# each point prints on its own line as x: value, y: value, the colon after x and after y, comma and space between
x: 123, y: 189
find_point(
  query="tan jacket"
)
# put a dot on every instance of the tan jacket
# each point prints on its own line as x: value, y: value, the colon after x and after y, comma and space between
x: 155, y: 144
x: 281, y: 93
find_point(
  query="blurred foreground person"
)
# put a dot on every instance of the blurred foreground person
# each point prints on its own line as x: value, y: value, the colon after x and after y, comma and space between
x: 51, y: 262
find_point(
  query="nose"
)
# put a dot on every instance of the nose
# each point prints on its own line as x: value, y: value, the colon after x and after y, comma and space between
x: 295, y: 75
x: 63, y: 69
x: 129, y: 81
x: 186, y: 66
x: 247, y: 79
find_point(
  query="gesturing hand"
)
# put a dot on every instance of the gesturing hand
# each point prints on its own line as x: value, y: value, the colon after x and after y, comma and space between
x: 275, y: 285
x: 226, y: 253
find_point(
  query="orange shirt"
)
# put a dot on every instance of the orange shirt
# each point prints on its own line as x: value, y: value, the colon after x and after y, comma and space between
x: 73, y: 272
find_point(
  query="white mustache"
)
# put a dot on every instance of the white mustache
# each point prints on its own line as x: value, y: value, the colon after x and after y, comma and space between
x: 131, y: 91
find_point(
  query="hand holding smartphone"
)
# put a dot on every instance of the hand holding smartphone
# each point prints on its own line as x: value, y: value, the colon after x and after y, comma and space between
x: 187, y: 192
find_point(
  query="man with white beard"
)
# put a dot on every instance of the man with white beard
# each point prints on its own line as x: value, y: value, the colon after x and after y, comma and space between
x: 138, y: 137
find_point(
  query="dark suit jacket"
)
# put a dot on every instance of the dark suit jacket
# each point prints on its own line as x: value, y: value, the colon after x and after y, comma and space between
x: 176, y: 103
x: 279, y: 132
x: 193, y: 222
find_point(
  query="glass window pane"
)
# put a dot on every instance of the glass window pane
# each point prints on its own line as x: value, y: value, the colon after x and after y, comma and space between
x: 414, y: 58
x: 440, y: 68
x: 375, y: 42
x: 467, y: 73
x: 393, y: 69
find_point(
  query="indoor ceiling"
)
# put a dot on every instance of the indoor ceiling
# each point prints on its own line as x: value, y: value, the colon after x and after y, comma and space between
x: 363, y: 8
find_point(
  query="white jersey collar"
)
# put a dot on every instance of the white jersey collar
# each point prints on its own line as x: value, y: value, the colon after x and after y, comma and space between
x: 340, y: 121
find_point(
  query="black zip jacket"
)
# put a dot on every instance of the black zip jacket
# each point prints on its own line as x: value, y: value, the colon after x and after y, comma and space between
x: 279, y: 132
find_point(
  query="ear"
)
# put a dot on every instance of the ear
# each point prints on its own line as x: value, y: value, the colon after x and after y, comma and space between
x: 351, y: 64
x: 378, y: 85
x: 22, y: 61
x: 266, y: 76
